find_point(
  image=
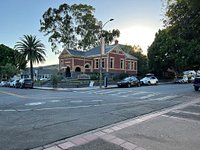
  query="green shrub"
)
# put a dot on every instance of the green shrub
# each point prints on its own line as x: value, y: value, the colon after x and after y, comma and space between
x: 54, y: 80
x: 120, y: 76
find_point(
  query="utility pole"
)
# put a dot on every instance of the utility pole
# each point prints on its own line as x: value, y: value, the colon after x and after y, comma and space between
x: 102, y: 50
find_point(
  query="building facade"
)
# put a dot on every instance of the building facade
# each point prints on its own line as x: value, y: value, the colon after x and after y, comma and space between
x: 114, y: 61
x: 41, y: 73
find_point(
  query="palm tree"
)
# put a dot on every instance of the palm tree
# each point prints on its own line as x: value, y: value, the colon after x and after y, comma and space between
x: 32, y: 49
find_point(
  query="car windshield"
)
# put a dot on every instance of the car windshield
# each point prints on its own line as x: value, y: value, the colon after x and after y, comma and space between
x: 149, y: 75
x: 127, y: 79
x: 28, y: 80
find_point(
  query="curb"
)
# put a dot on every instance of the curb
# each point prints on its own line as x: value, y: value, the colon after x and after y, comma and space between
x: 87, y: 88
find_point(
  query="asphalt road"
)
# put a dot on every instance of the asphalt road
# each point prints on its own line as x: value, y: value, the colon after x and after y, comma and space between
x: 30, y: 117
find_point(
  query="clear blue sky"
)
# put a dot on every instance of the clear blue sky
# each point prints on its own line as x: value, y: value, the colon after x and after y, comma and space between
x: 137, y: 20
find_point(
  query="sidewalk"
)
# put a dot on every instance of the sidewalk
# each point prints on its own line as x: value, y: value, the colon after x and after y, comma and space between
x: 74, y: 89
x: 164, y: 130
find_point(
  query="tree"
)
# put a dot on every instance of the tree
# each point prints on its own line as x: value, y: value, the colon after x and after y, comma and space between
x: 32, y: 50
x: 177, y: 47
x: 74, y: 27
x: 10, y: 56
x: 7, y: 71
x: 7, y: 55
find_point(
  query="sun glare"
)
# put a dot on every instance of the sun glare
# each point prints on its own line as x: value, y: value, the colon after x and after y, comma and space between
x: 138, y: 35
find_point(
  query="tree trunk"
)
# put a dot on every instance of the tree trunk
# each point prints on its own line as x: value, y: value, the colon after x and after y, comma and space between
x: 31, y: 70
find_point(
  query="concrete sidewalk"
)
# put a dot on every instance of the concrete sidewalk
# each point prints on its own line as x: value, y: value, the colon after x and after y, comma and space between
x: 75, y: 89
x: 156, y: 131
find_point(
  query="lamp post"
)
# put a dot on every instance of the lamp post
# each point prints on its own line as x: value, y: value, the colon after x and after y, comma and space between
x: 101, y: 51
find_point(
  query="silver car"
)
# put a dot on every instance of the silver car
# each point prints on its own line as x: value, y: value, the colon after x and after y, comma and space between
x: 149, y: 80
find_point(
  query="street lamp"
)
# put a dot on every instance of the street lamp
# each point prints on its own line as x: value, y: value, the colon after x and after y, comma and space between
x: 101, y: 51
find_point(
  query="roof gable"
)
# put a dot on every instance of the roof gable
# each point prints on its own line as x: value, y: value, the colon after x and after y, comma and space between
x: 64, y: 53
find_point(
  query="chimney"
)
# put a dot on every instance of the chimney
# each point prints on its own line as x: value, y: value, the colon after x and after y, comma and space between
x: 116, y: 42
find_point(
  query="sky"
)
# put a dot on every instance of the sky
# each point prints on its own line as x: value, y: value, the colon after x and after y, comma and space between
x: 137, y: 20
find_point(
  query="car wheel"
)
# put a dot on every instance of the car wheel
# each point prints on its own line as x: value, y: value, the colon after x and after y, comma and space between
x: 149, y: 83
x: 196, y: 88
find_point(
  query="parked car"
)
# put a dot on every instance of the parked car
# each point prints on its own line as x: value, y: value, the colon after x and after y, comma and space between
x: 7, y: 84
x: 10, y: 83
x: 196, y: 83
x: 181, y: 79
x: 14, y: 82
x: 26, y: 83
x: 150, y: 79
x: 3, y: 83
x: 128, y: 82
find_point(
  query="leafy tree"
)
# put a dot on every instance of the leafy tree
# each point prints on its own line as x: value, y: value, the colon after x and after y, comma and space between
x: 177, y: 48
x: 10, y: 56
x: 7, y: 55
x: 7, y: 71
x: 183, y: 24
x: 32, y: 50
x: 74, y: 27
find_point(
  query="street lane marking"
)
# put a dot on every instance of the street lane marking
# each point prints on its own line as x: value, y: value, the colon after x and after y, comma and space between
x: 8, y: 110
x: 55, y: 101
x: 165, y: 98
x: 148, y: 96
x: 12, y: 94
x: 76, y: 101
x: 97, y: 100
x: 35, y: 103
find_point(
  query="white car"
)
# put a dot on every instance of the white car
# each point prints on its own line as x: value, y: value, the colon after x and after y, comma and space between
x: 13, y: 83
x: 183, y: 79
x: 149, y: 80
x: 3, y: 83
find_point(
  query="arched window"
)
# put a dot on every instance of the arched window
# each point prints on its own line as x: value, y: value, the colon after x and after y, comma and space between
x: 87, y: 66
x: 78, y: 69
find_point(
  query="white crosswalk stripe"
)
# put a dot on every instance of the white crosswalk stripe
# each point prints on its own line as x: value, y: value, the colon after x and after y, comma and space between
x: 148, y: 96
x: 142, y: 95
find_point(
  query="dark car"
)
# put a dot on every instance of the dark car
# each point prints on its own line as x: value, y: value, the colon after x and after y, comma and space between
x: 26, y: 83
x: 128, y: 82
x: 196, y: 83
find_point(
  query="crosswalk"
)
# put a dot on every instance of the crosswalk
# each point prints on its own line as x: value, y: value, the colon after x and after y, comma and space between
x: 141, y: 95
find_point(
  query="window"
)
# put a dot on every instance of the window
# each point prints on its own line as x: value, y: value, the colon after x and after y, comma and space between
x: 96, y: 63
x: 132, y: 65
x: 122, y: 64
x: 103, y: 63
x: 111, y: 62
x: 129, y: 65
x: 87, y: 66
x: 135, y: 66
